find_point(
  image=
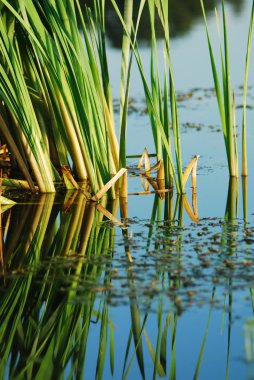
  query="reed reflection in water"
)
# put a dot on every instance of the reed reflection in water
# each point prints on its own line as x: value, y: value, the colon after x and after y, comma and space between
x: 65, y: 277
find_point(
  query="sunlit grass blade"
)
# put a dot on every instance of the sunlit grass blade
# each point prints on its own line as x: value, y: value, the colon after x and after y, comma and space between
x: 112, y: 345
x: 173, y: 326
x: 102, y: 344
x: 202, y: 349
x: 192, y: 166
x: 232, y: 146
x: 137, y: 337
x: 163, y: 349
x: 226, y: 103
x: 245, y: 88
x: 137, y: 343
x: 126, y: 64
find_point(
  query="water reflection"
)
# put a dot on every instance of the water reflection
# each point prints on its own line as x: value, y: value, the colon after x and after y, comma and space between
x: 183, y: 16
x: 66, y: 271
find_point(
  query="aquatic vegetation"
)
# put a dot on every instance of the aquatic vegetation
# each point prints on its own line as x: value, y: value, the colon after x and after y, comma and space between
x: 57, y: 328
x: 246, y: 73
x: 226, y: 98
x: 157, y: 108
x: 56, y: 96
x: 56, y: 114
x: 55, y: 92
x: 60, y: 267
x: 225, y: 101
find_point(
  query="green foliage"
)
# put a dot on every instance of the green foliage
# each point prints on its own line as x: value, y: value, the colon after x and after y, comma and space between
x: 55, y: 86
x: 157, y: 109
x: 225, y: 98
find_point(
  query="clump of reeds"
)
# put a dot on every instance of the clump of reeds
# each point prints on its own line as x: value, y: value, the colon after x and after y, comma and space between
x: 160, y: 98
x: 55, y: 92
x: 56, y: 112
x: 226, y: 97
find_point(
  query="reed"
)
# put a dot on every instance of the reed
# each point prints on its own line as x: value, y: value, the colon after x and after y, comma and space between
x: 56, y: 92
x: 225, y: 98
x: 56, y: 95
x: 160, y: 98
x: 56, y: 332
x: 245, y: 89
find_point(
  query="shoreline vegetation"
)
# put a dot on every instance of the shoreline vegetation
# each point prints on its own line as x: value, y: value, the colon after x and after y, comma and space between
x: 57, y: 121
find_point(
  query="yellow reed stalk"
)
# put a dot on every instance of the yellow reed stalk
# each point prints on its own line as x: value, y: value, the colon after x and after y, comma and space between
x: 194, y: 202
x: 44, y: 179
x: 144, y: 159
x: 75, y: 224
x: 69, y: 200
x: 192, y: 166
x: 161, y: 173
x: 161, y: 188
x: 151, y: 181
x: 245, y: 198
x: 17, y: 184
x: 40, y: 220
x: 88, y: 216
x: 194, y: 217
x: 128, y: 254
x: 108, y: 185
x: 124, y: 208
x: 151, y: 192
x: 144, y: 182
x: 110, y: 216
x: 70, y: 182
x: 124, y: 186
x: 74, y: 142
x: 6, y: 201
x: 111, y: 134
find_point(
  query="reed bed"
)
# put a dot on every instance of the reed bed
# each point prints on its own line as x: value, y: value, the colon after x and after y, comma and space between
x: 56, y: 112
x: 55, y: 92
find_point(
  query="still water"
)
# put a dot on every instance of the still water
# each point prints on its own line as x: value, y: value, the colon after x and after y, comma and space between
x: 167, y: 294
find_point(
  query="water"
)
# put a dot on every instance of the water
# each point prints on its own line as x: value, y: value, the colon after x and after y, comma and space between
x: 70, y: 295
x: 72, y: 303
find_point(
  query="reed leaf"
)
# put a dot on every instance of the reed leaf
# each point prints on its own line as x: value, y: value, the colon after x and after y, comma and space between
x: 225, y: 102
x: 245, y: 87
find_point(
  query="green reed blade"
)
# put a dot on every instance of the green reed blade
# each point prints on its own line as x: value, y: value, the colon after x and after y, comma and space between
x: 111, y: 345
x: 128, y: 11
x: 202, y: 349
x: 102, y: 344
x: 173, y: 326
x: 225, y: 103
x: 152, y: 109
x: 163, y: 349
x: 245, y: 88
x: 228, y: 102
x: 216, y: 80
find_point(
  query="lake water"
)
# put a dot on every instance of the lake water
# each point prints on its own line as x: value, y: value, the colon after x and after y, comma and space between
x: 72, y: 303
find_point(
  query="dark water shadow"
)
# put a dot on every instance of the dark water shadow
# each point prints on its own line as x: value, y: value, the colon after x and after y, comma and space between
x: 183, y: 16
